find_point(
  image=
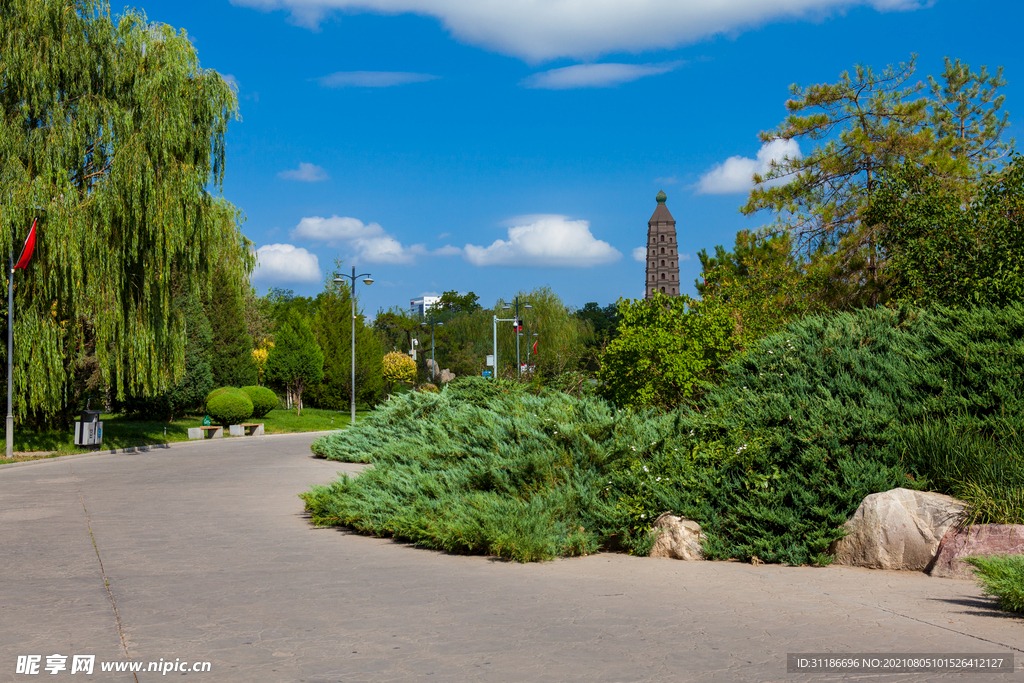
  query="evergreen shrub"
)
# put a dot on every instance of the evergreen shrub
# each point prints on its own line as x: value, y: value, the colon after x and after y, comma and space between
x: 1002, y: 576
x: 771, y: 461
x: 263, y: 400
x: 228, y: 406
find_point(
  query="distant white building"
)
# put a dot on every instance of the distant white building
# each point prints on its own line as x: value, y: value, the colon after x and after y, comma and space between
x: 421, y: 306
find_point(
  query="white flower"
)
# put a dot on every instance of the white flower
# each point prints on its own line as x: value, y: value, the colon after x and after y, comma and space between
x: 658, y: 479
x: 645, y: 468
x: 772, y: 352
x: 643, y: 516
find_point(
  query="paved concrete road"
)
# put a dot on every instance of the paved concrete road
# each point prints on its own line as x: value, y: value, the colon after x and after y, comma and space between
x: 201, y: 552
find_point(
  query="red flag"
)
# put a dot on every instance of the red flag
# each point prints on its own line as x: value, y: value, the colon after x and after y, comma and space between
x: 535, y: 348
x: 26, y: 251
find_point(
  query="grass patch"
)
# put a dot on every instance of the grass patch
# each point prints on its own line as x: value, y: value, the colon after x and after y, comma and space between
x: 120, y: 431
x: 1001, y: 576
x: 984, y: 468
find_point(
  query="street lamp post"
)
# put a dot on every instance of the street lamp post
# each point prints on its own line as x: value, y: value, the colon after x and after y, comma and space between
x: 368, y: 281
x: 432, y: 322
x: 526, y: 305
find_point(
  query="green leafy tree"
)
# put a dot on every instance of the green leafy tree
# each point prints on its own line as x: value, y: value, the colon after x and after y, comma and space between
x: 332, y: 325
x: 188, y: 393
x: 942, y: 251
x: 453, y: 302
x: 114, y: 134
x: 667, y: 349
x: 560, y: 336
x: 395, y: 329
x: 296, y: 360
x: 761, y: 285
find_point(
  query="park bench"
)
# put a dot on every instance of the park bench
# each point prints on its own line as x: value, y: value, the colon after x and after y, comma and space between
x: 247, y: 429
x: 206, y: 432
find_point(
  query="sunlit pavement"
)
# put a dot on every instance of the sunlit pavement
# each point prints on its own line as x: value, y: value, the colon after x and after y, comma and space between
x: 201, y: 552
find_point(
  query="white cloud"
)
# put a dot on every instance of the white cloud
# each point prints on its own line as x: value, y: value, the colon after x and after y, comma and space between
x: 595, y: 75
x: 231, y: 81
x: 285, y: 263
x: 307, y: 173
x: 547, y: 241
x: 372, y: 79
x: 370, y: 242
x: 538, y: 30
x: 736, y: 174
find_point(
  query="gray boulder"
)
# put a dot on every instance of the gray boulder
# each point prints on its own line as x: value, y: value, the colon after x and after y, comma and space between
x: 678, y: 538
x: 897, y: 529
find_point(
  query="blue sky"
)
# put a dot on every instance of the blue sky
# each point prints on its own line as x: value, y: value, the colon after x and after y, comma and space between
x: 497, y: 147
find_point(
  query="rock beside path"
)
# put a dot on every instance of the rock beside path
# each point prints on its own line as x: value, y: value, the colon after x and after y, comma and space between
x: 897, y: 529
x: 679, y: 538
x: 980, y: 539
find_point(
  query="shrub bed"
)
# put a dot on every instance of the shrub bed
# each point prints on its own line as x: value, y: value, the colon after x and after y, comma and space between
x: 771, y: 462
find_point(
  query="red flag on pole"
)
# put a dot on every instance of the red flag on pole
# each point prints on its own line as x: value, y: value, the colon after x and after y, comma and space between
x: 30, y: 245
x: 535, y: 348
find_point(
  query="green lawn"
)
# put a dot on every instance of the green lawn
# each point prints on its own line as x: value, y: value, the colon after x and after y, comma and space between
x: 124, y: 432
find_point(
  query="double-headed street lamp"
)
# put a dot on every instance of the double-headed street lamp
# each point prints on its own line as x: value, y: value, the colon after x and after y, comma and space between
x: 338, y: 281
x: 432, y: 322
x: 517, y: 321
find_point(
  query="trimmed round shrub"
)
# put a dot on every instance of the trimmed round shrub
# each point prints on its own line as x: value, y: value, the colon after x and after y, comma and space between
x: 263, y: 400
x: 218, y: 392
x: 428, y: 387
x: 228, y: 406
x: 399, y: 367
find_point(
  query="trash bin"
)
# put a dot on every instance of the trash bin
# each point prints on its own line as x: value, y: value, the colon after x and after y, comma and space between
x: 89, y: 429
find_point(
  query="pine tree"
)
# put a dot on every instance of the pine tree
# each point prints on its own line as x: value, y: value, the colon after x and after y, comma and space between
x: 231, y: 351
x: 869, y: 125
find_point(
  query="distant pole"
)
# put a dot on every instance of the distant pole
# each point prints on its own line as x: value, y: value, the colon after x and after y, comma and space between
x: 353, y: 307
x: 368, y: 281
x: 432, y: 322
x: 516, y: 321
x: 10, y: 359
x: 494, y: 339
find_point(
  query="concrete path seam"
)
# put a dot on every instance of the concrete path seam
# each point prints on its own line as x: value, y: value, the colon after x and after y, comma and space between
x: 103, y: 573
x: 922, y: 621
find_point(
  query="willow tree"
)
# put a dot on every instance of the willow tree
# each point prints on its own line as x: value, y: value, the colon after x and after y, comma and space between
x: 113, y: 134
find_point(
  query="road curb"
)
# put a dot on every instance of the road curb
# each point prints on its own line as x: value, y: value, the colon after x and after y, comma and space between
x: 157, y: 447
